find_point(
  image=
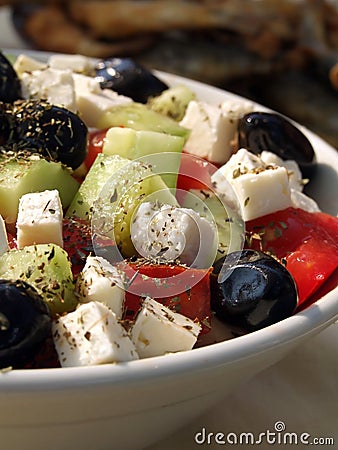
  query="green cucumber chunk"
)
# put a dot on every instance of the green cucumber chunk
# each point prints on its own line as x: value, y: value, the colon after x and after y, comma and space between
x: 133, y: 144
x: 45, y: 267
x: 102, y: 169
x: 21, y: 176
x: 140, y: 117
x: 111, y: 192
x: 173, y: 102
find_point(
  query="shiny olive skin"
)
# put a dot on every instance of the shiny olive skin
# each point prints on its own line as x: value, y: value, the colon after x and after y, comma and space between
x: 252, y: 290
x: 52, y: 131
x: 127, y: 77
x: 10, y: 87
x: 25, y: 323
x: 258, y: 131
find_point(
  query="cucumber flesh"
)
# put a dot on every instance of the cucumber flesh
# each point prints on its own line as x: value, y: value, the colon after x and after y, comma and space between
x: 111, y: 192
x: 140, y: 117
x: 47, y: 268
x: 173, y: 102
x: 102, y: 169
x: 21, y: 176
x: 133, y: 144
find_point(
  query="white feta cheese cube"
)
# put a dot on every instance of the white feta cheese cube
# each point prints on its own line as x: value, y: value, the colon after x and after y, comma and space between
x: 55, y: 86
x: 25, y: 63
x: 240, y: 162
x: 76, y: 63
x: 92, y: 106
x: 158, y: 330
x: 3, y: 237
x: 260, y: 189
x: 92, y: 101
x: 232, y: 111
x: 40, y: 219
x: 168, y: 232
x: 295, y: 175
x: 213, y: 128
x: 263, y: 192
x: 84, y: 84
x: 101, y: 281
x: 118, y: 99
x: 92, y: 334
x: 296, y: 181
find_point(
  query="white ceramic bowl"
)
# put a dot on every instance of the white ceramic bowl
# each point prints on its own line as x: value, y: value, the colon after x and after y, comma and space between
x: 133, y: 405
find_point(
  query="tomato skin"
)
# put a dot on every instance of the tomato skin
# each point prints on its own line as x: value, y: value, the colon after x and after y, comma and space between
x: 306, y: 242
x: 194, y: 173
x: 311, y: 265
x: 192, y: 300
x: 325, y: 288
x: 94, y: 147
x: 329, y: 223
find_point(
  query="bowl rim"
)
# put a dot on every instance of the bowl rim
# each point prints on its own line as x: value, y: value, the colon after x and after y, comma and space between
x: 313, y: 319
x: 310, y: 320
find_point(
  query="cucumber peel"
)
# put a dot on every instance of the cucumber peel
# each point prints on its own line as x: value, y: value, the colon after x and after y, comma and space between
x: 140, y: 117
x: 111, y: 193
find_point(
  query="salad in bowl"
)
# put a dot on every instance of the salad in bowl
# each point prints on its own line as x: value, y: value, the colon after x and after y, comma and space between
x: 138, y: 212
x: 151, y: 228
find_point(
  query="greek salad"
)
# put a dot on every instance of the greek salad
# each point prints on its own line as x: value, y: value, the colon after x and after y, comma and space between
x: 134, y: 216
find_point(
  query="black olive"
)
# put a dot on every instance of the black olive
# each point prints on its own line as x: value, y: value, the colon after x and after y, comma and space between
x: 252, y: 290
x: 10, y: 86
x: 25, y: 323
x: 52, y: 131
x: 127, y: 77
x: 258, y: 131
x: 6, y: 122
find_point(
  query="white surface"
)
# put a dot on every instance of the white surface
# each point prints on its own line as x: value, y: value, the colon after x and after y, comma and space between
x: 301, y: 390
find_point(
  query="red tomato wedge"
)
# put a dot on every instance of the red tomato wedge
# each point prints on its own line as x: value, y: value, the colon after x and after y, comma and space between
x: 194, y: 173
x: 311, y: 265
x: 95, y: 144
x: 306, y: 242
x: 324, y: 289
x: 184, y: 290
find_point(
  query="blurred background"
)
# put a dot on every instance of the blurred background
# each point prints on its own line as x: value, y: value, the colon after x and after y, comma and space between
x: 283, y: 54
